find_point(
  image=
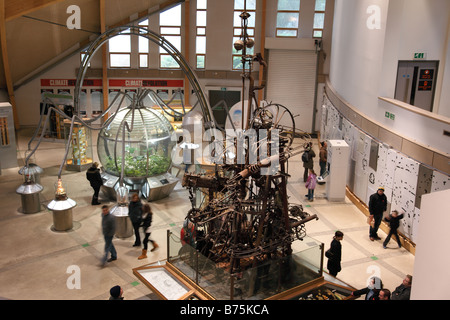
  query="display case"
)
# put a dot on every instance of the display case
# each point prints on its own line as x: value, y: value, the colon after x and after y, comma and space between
x: 143, y: 139
x: 8, y: 150
x: 167, y: 284
x: 296, y: 276
x: 79, y: 157
x: 146, y: 143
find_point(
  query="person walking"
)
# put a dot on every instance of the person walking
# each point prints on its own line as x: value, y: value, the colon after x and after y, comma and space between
x: 394, y: 222
x: 311, y: 184
x: 108, y: 230
x: 334, y: 254
x: 377, y: 206
x: 135, y: 214
x: 95, y: 179
x: 323, y: 157
x: 308, y: 160
x: 147, y: 217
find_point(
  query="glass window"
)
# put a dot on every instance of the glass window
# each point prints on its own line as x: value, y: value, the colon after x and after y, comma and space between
x: 250, y: 5
x: 320, y: 5
x: 174, y: 40
x: 143, y: 60
x: 166, y: 61
x: 200, y: 61
x: 287, y: 20
x: 288, y: 15
x: 237, y: 29
x: 289, y: 5
x: 201, y: 4
x: 143, y: 45
x: 120, y: 43
x: 120, y: 51
x: 319, y: 18
x: 171, y: 17
x: 201, y: 18
x: 201, y: 45
x: 200, y: 39
x: 120, y: 60
x: 82, y: 55
x: 170, y: 29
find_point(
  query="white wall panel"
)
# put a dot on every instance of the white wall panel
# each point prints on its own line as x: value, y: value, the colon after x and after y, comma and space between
x: 397, y: 173
x: 440, y: 182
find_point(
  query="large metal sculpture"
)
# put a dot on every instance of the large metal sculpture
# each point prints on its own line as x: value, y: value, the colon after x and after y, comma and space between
x: 244, y: 217
x: 242, y: 208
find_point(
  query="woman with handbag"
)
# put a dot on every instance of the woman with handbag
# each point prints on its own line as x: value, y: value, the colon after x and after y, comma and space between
x: 147, y: 216
x: 334, y: 254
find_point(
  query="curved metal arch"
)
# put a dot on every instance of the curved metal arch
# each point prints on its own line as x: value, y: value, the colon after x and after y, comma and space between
x: 209, y: 120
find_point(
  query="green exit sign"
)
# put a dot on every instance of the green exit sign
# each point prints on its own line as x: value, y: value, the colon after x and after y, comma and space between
x: 389, y: 115
x: 420, y: 55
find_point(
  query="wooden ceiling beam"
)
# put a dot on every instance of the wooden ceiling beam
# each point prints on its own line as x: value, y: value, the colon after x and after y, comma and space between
x: 17, y: 8
x: 7, y: 71
x: 82, y: 44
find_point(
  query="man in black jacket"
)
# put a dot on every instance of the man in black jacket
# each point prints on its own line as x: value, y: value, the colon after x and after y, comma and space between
x: 377, y: 205
x: 108, y: 230
x: 96, y: 181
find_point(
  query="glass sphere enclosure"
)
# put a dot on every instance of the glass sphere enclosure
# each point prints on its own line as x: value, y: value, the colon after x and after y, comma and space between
x: 146, y: 143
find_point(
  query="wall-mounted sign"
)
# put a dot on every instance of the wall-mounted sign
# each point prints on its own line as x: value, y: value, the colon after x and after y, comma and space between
x: 70, y: 82
x: 420, y: 55
x: 426, y: 74
x: 425, y: 85
x: 145, y: 83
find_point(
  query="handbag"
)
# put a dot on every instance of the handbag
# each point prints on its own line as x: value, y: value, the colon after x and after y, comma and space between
x: 329, y: 254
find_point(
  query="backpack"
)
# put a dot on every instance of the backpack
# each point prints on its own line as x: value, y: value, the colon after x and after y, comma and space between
x: 305, y: 156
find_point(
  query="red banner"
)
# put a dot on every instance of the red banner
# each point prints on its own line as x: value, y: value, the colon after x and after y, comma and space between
x: 130, y: 83
x: 134, y: 83
x: 70, y: 82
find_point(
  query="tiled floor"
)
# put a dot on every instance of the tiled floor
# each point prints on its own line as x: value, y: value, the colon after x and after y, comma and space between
x: 36, y: 262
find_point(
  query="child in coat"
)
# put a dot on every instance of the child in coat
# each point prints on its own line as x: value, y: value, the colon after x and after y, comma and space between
x: 394, y: 222
x: 311, y: 184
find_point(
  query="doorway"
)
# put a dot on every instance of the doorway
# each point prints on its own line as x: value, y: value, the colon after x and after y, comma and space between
x: 216, y: 100
x: 416, y: 83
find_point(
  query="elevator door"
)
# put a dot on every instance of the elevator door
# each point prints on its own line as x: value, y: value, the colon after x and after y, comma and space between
x: 219, y: 111
x: 416, y: 82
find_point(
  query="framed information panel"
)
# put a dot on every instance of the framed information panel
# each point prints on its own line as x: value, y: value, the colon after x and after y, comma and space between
x: 167, y: 284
